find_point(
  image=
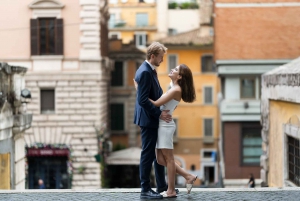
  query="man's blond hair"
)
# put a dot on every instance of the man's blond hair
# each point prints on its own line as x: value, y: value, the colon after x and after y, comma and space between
x: 155, y: 48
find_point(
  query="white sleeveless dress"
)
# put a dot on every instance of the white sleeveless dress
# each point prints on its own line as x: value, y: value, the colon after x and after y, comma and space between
x: 166, y: 130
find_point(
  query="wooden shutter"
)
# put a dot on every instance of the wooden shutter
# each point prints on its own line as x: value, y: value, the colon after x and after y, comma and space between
x: 146, y: 39
x: 134, y: 39
x: 104, y: 39
x: 34, y: 32
x: 59, y: 37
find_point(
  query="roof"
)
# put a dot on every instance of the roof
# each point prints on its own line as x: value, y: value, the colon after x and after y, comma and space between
x: 191, y: 38
x: 130, y: 156
x: 127, y: 51
x: 288, y: 74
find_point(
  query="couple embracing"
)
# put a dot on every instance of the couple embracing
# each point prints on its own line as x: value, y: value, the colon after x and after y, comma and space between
x: 153, y: 113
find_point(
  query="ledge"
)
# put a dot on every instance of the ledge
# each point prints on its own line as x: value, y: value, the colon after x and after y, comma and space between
x: 47, y: 57
x: 138, y: 190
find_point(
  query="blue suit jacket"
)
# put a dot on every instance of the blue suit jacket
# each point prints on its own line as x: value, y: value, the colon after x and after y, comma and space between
x: 146, y: 114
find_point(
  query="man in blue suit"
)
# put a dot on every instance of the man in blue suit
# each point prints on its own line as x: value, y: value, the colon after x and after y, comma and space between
x: 147, y: 116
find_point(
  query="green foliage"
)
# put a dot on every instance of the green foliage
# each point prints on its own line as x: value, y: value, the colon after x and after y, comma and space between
x: 118, y: 147
x: 194, y: 6
x: 184, y: 5
x: 81, y: 169
x: 104, y: 175
x: 173, y: 5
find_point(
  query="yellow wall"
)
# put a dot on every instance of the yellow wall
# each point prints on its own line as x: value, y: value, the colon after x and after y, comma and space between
x: 5, y: 171
x: 129, y: 15
x: 280, y: 113
x: 128, y: 36
x: 190, y: 115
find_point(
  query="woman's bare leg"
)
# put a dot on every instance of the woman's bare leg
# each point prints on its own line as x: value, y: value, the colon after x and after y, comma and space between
x: 170, y: 163
x: 182, y: 172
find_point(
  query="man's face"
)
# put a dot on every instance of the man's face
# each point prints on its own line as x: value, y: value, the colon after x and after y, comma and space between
x: 156, y: 60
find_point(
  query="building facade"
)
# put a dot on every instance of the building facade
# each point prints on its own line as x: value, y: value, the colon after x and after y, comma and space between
x: 14, y: 120
x: 65, y: 48
x: 281, y: 122
x: 196, y: 137
x: 132, y: 21
x: 247, y: 40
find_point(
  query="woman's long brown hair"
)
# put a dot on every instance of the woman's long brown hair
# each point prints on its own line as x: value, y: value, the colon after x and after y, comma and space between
x: 187, y: 84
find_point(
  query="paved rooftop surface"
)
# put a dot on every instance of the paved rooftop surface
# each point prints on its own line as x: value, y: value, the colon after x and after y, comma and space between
x: 214, y: 194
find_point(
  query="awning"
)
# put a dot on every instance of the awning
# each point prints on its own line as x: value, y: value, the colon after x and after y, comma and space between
x: 130, y: 156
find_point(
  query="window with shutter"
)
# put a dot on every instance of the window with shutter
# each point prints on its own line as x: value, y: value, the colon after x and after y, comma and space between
x: 46, y: 36
x: 208, y: 127
x: 172, y: 61
x: 59, y: 34
x: 207, y: 63
x: 34, y: 30
x: 47, y: 101
x: 208, y: 95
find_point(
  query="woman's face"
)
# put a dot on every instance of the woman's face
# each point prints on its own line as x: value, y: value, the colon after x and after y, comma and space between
x: 174, y: 73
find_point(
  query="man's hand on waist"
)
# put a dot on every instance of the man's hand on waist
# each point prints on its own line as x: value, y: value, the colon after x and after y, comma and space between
x: 165, y: 116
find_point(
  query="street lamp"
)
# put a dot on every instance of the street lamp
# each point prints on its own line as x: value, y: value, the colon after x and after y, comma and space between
x: 25, y: 98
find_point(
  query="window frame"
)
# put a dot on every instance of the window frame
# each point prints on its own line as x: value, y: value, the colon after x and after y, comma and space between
x: 112, y: 20
x: 294, y: 157
x: 47, y: 41
x: 289, y: 130
x: 42, y: 112
x: 136, y: 17
x: 144, y: 38
x: 212, y: 127
x: 35, y: 45
x: 213, y: 70
x: 212, y: 95
x: 168, y: 62
x: 202, y: 153
x: 254, y: 87
x: 248, y: 126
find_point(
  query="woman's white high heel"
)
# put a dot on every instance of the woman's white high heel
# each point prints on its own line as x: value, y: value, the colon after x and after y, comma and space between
x: 190, y: 186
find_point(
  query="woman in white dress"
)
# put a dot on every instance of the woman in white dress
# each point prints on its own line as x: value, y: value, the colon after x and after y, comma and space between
x: 182, y: 88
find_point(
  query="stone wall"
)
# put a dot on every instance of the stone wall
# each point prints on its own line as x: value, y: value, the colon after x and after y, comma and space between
x: 280, y: 84
x: 79, y: 106
x: 13, y: 121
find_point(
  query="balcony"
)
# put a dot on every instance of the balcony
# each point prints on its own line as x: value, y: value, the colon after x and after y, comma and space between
x: 21, y: 122
x: 240, y: 110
